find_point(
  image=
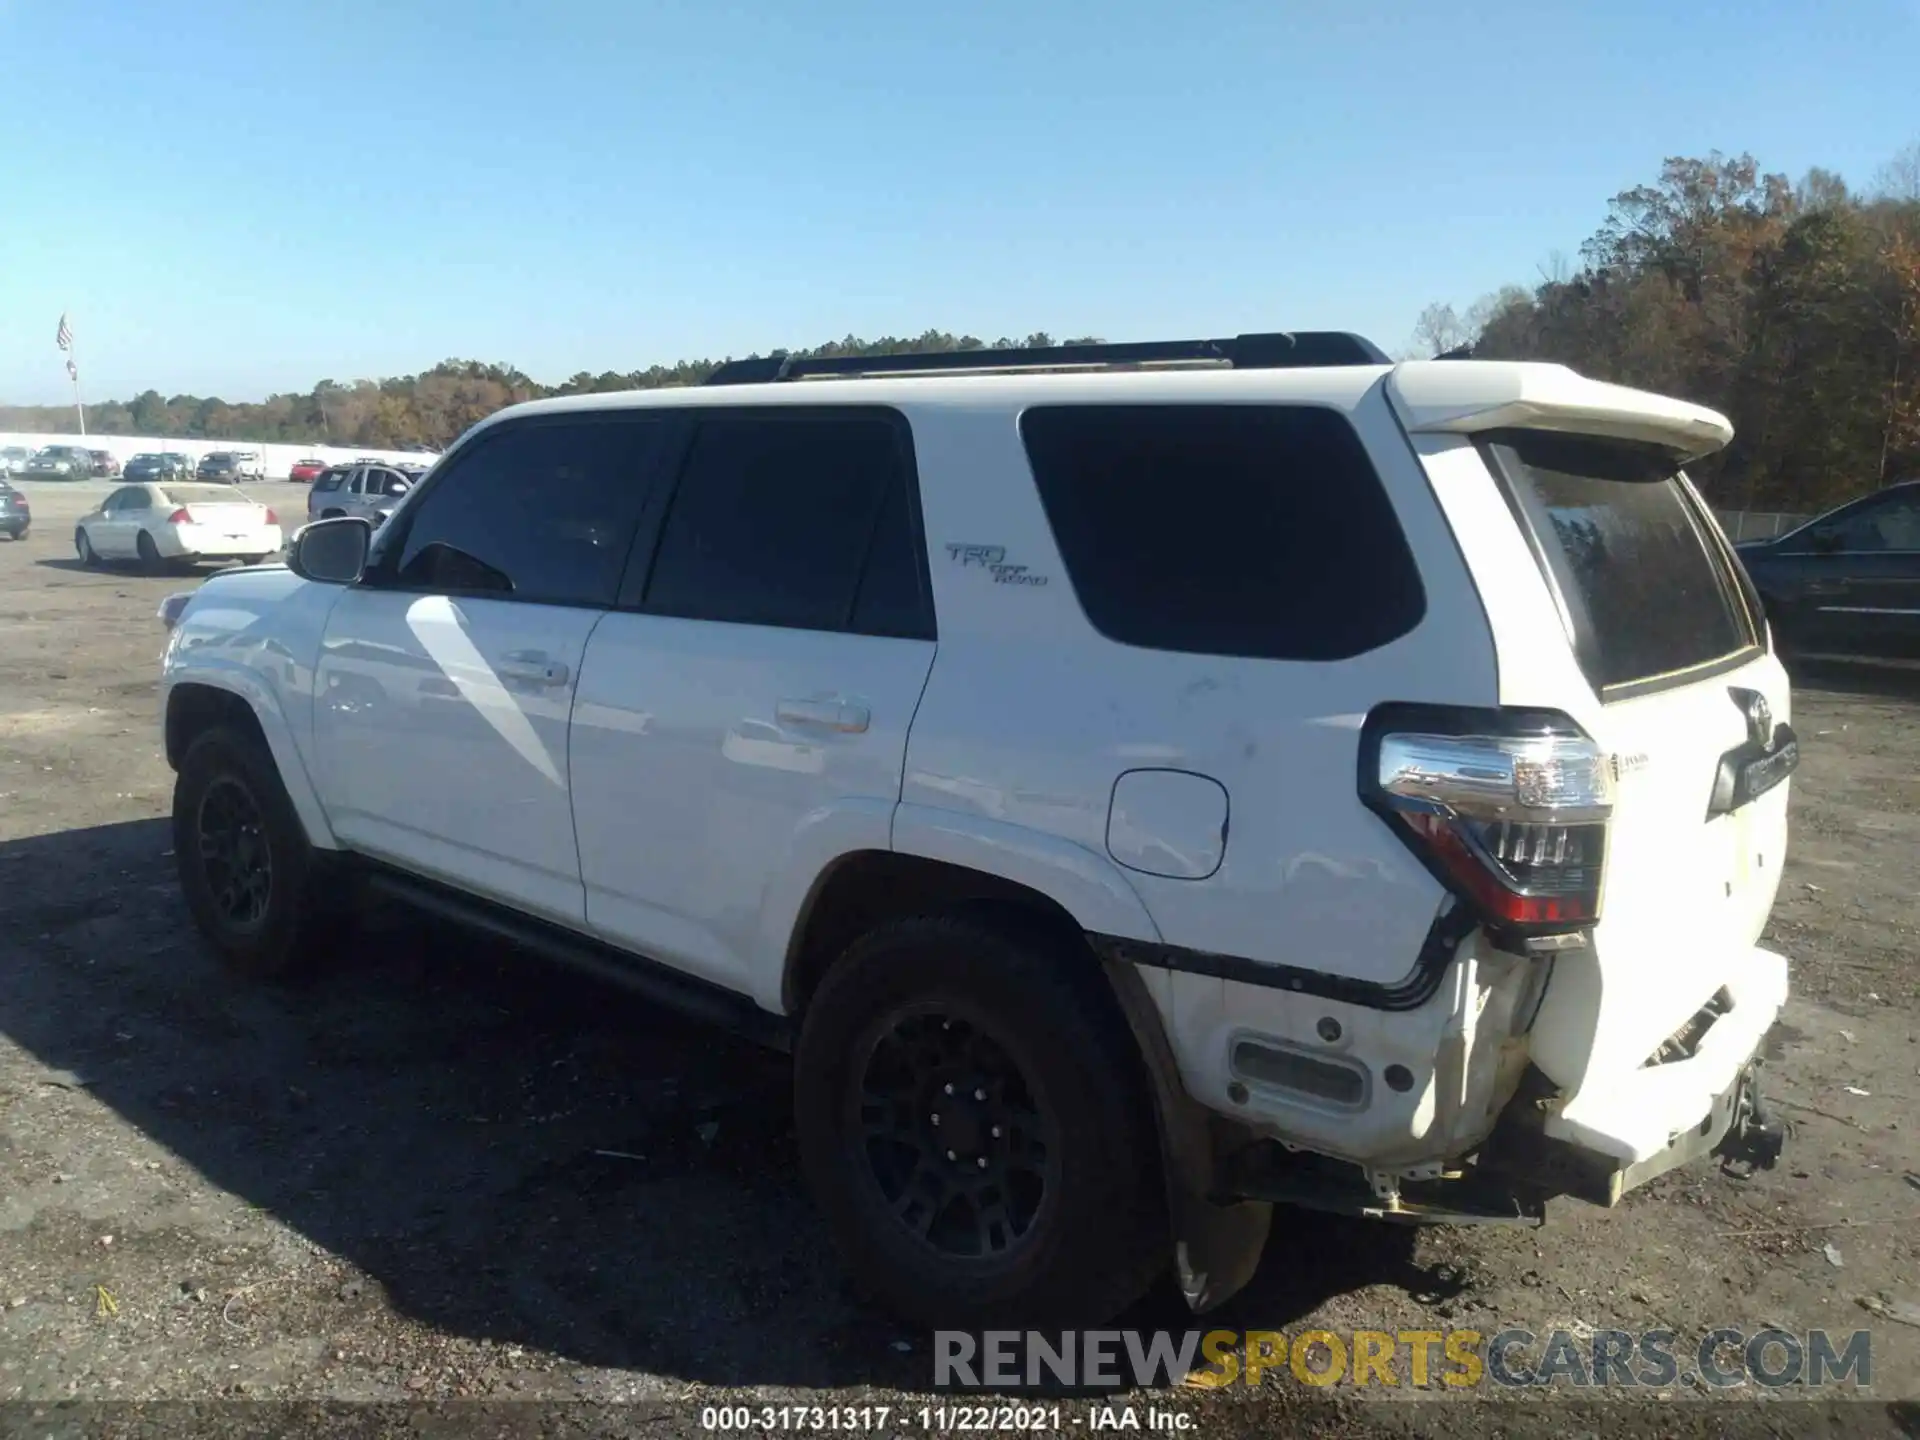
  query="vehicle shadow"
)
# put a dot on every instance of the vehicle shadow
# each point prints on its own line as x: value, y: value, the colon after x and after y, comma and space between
x: 72, y: 563
x: 506, y: 1151
x: 125, y: 569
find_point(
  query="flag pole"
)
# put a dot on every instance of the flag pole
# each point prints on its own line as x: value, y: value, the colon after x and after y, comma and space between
x: 73, y: 372
x: 63, y: 337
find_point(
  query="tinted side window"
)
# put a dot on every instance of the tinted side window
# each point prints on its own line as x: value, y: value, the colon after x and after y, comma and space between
x: 537, y: 511
x: 329, y: 480
x: 773, y: 520
x: 1249, y: 530
x: 1891, y: 525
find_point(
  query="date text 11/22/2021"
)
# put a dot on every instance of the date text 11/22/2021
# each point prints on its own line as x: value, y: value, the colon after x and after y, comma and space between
x: 941, y: 1419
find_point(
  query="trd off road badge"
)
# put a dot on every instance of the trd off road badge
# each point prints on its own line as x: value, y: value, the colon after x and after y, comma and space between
x: 992, y: 559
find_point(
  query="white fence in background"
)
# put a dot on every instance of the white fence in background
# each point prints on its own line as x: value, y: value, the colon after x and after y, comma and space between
x: 276, y: 458
x: 1758, y: 524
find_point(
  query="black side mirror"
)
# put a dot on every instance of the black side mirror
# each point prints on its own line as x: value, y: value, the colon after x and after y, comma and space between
x: 333, y: 552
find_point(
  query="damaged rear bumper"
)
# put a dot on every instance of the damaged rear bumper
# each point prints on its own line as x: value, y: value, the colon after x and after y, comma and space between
x: 1739, y: 1125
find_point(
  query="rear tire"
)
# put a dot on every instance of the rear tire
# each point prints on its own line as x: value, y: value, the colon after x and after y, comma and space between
x: 252, y: 881
x: 149, y: 553
x: 83, y: 547
x: 1034, y: 1198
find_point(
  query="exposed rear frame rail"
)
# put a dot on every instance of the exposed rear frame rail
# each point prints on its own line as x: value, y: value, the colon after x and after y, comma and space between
x: 1276, y: 350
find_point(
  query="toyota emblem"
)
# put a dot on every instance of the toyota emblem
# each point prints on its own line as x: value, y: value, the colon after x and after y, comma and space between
x: 1759, y: 715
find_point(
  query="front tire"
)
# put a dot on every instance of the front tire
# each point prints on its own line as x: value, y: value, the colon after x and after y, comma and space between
x: 83, y: 547
x: 975, y: 1125
x: 251, y: 879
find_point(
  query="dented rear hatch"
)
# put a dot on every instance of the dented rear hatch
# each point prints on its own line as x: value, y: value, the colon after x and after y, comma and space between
x: 1616, y: 600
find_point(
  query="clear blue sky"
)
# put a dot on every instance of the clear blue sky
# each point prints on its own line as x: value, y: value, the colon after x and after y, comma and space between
x: 233, y: 197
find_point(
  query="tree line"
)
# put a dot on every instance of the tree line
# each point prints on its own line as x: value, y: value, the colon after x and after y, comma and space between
x: 430, y: 409
x: 1794, y: 309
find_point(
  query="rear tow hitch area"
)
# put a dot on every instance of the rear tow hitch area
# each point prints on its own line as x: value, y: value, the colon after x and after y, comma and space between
x: 1266, y: 1171
x: 1756, y: 1138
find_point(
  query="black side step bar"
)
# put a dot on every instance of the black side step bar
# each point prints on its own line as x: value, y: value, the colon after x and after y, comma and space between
x: 649, y: 978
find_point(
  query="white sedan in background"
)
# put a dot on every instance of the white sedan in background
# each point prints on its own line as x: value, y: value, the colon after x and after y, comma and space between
x: 158, y: 523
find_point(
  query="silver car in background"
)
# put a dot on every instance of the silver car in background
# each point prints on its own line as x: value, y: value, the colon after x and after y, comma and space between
x: 368, y: 490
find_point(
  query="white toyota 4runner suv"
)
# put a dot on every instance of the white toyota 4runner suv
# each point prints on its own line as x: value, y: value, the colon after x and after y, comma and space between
x: 1142, y: 784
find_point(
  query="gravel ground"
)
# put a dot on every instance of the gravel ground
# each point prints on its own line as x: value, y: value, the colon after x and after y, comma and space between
x: 443, y: 1177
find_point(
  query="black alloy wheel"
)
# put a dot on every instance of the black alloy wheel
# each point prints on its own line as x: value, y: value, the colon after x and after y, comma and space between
x: 952, y: 1132
x: 235, y: 856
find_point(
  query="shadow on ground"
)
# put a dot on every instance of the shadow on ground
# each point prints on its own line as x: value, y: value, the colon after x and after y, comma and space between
x: 506, y: 1151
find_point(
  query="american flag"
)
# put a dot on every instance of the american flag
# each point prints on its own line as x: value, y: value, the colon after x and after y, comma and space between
x: 64, y: 336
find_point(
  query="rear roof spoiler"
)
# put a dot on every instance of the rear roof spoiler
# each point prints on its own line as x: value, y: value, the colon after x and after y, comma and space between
x: 1469, y: 397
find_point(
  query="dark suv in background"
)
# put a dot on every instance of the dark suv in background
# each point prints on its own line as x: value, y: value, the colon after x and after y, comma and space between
x: 16, y: 518
x: 1847, y: 583
x: 150, y: 465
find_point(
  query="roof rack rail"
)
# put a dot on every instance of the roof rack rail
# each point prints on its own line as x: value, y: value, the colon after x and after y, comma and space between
x: 1278, y: 350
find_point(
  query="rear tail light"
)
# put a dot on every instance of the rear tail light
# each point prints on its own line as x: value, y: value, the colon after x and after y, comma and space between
x: 179, y: 517
x: 272, y: 519
x: 1509, y: 809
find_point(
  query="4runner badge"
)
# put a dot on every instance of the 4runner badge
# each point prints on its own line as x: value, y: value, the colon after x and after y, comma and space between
x: 1625, y: 765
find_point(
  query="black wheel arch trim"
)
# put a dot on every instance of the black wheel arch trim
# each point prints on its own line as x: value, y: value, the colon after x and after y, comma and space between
x: 1421, y: 984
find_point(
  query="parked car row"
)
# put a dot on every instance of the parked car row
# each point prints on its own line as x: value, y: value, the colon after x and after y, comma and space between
x: 58, y: 462
x: 71, y: 462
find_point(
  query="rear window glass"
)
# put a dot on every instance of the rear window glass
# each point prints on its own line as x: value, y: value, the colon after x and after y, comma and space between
x: 206, y: 495
x: 1250, y: 530
x: 1647, y: 591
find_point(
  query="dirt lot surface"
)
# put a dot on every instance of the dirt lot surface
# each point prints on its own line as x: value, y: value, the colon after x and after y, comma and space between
x: 444, y: 1174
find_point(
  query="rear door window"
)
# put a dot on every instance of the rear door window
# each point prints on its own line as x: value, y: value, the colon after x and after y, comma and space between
x: 799, y: 520
x: 1259, y: 531
x: 1647, y: 590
